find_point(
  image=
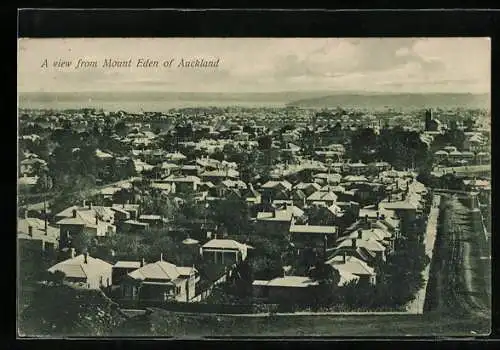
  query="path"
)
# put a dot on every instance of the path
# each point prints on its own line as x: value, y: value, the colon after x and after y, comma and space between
x: 416, y: 306
x: 40, y: 206
x: 280, y: 314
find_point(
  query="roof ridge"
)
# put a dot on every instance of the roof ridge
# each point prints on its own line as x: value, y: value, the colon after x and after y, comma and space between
x: 161, y: 267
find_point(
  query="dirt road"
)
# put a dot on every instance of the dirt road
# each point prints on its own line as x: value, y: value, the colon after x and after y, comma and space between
x: 462, y: 270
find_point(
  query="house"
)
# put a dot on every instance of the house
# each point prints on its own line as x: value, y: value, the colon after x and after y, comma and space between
x: 132, y: 209
x: 327, y: 179
x: 218, y: 175
x: 27, y: 182
x: 160, y: 282
x: 348, y: 265
x: 355, y: 179
x: 188, y: 170
x: 224, y: 251
x: 370, y: 245
x: 29, y: 165
x: 322, y: 198
x: 37, y: 235
x: 382, y: 236
x: 307, y: 188
x: 252, y: 196
x: 290, y: 289
x: 323, y: 215
x: 183, y: 183
x: 176, y: 157
x: 134, y: 226
x: 358, y: 168
x: 122, y: 269
x: 94, y: 221
x: 276, y: 190
x: 167, y: 169
x: 406, y: 211
x: 379, y: 166
x: 85, y: 271
x: 108, y: 192
x: 314, y: 236
x: 208, y: 163
x: 278, y: 220
x: 152, y: 220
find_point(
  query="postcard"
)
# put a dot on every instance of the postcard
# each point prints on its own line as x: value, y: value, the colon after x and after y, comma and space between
x: 254, y: 187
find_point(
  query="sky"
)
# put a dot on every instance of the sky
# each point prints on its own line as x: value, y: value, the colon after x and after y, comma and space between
x: 414, y: 65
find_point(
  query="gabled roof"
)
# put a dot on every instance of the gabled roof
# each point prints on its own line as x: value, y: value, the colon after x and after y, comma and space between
x: 322, y: 196
x: 281, y: 215
x: 273, y: 184
x: 370, y: 244
x: 128, y: 264
x: 352, y: 265
x: 125, y: 206
x: 367, y: 234
x: 224, y: 244
x: 313, y: 229
x: 220, y: 173
x: 292, y: 282
x: 38, y: 229
x: 355, y: 178
x: 305, y: 185
x: 28, y: 180
x: 103, y: 155
x: 77, y: 268
x: 190, y: 178
x: 160, y: 270
x: 399, y: 205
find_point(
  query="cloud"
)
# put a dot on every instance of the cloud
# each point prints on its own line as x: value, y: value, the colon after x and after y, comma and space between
x: 264, y: 64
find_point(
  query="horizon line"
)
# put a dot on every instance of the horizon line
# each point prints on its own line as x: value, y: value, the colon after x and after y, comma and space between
x: 262, y: 92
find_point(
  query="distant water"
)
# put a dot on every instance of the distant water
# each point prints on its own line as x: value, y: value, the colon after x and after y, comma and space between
x: 164, y: 101
x: 138, y: 106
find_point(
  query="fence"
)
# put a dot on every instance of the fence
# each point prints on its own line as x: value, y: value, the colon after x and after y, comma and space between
x: 208, y: 291
x: 200, y: 307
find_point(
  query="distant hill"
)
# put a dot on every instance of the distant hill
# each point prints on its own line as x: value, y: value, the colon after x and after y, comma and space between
x: 314, y: 99
x: 380, y: 100
x: 154, y: 96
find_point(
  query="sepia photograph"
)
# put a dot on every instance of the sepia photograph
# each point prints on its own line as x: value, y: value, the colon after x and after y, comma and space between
x: 254, y: 187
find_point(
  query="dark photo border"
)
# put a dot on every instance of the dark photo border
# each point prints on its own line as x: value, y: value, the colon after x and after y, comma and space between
x: 73, y: 23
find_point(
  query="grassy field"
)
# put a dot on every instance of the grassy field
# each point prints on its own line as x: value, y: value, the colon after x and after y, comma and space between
x: 427, y: 325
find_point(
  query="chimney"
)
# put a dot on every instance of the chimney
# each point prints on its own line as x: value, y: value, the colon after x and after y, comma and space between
x: 74, y: 213
x: 85, y: 257
x: 360, y: 234
x: 353, y: 242
x: 161, y: 256
x: 344, y: 257
x: 45, y: 223
x: 73, y: 253
x: 96, y: 219
x: 143, y: 262
x: 378, y: 215
x: 26, y: 213
x: 84, y: 203
x: 366, y: 218
x: 30, y: 231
